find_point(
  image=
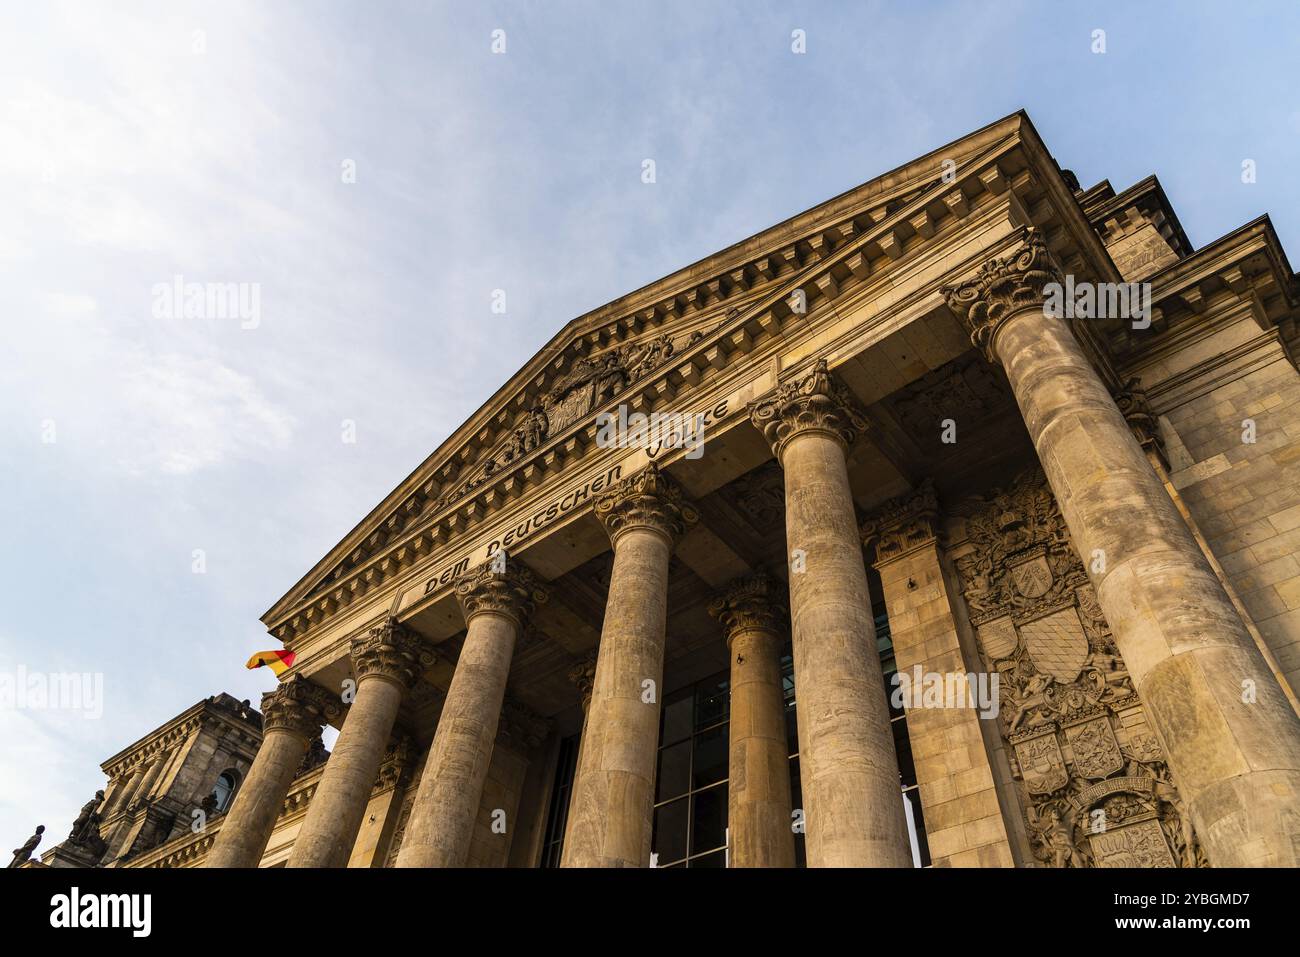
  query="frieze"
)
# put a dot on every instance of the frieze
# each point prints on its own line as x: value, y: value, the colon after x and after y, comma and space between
x: 1093, y: 782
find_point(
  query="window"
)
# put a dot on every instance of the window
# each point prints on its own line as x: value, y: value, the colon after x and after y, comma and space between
x: 224, y: 790
x: 557, y: 819
x: 902, y: 744
x: 690, y: 814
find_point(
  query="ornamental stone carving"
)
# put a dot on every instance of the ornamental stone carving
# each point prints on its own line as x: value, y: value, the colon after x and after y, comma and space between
x: 1094, y: 786
x: 390, y: 650
x: 815, y: 402
x: 1001, y: 288
x: 903, y: 523
x: 500, y: 586
x: 583, y: 677
x: 648, y: 499
x: 1136, y: 409
x: 520, y: 727
x: 300, y: 707
x: 755, y: 603
x: 398, y: 765
x: 589, y: 384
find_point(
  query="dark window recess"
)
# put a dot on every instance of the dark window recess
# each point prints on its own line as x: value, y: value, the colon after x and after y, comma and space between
x: 557, y: 817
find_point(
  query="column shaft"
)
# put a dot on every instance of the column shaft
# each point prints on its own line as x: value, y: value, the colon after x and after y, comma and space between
x: 248, y: 825
x: 292, y: 716
x: 495, y: 597
x: 853, y: 801
x: 1230, y: 735
x: 334, y: 816
x: 611, y: 808
x: 848, y: 769
x: 759, y: 811
x: 613, y: 793
x: 441, y: 826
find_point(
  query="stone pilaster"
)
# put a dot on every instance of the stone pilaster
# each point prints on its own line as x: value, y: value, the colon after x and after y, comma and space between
x: 519, y: 733
x: 1230, y: 735
x: 848, y: 770
x: 292, y: 715
x: 753, y: 620
x: 387, y: 661
x: 610, y: 813
x: 965, y: 810
x: 496, y: 597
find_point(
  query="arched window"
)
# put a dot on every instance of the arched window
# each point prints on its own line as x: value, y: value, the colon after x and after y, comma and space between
x: 225, y: 789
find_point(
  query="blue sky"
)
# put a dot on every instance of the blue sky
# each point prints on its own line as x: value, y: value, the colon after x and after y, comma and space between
x: 156, y: 140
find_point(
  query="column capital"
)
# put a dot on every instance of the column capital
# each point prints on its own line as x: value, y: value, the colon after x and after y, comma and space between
x: 902, y: 523
x: 391, y: 650
x: 1003, y: 287
x: 506, y: 588
x: 648, y: 499
x: 754, y: 603
x: 583, y: 677
x: 300, y: 707
x: 398, y: 764
x: 813, y: 402
x: 1136, y: 409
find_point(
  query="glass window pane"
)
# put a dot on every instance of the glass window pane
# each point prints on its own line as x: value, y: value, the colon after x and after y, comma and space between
x: 669, y: 840
x: 712, y: 699
x: 677, y: 718
x: 674, y: 776
x: 710, y: 756
x: 791, y: 729
x: 709, y: 823
x: 892, y: 696
x: 903, y: 748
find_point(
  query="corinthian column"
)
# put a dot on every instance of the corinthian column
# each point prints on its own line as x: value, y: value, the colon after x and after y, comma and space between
x: 292, y: 715
x: 1229, y: 733
x: 853, y: 802
x: 610, y: 812
x: 495, y: 604
x: 758, y: 793
x: 387, y: 661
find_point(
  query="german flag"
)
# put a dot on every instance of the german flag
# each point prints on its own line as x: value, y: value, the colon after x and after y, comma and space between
x: 279, y: 661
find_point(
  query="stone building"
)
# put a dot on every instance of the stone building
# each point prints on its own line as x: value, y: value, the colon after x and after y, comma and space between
x: 961, y: 530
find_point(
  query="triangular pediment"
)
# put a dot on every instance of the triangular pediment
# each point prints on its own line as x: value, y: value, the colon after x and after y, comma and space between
x: 599, y: 355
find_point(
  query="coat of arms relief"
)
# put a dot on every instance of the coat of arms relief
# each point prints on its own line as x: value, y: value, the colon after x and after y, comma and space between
x: 1094, y: 785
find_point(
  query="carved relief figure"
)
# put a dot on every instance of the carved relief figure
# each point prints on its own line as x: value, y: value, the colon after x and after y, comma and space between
x: 588, y: 386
